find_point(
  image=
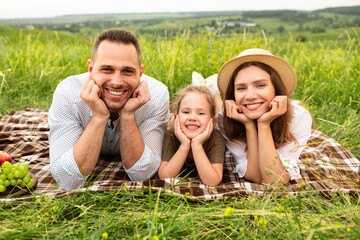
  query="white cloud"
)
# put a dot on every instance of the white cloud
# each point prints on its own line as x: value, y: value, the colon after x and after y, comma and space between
x: 50, y: 8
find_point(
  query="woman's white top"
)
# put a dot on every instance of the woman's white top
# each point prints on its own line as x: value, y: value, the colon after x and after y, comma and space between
x: 300, y: 128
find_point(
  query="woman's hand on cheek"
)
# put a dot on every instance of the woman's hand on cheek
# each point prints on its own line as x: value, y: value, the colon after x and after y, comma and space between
x: 202, y: 137
x: 278, y: 107
x: 235, y: 112
x: 179, y: 133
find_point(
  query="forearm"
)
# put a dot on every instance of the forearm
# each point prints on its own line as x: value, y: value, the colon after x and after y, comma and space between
x: 172, y: 168
x: 253, y: 168
x: 131, y: 143
x: 209, y: 174
x: 87, y: 149
x: 271, y: 167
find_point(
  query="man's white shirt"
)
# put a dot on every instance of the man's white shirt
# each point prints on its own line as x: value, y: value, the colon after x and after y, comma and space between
x: 69, y: 115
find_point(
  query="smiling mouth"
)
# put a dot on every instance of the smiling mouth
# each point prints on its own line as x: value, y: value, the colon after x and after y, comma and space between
x: 192, y: 127
x: 253, y: 106
x: 116, y: 93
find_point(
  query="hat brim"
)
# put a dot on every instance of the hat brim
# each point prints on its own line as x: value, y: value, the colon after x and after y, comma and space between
x: 281, y: 66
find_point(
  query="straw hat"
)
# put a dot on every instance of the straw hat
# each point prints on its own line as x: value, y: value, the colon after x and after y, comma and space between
x: 281, y: 66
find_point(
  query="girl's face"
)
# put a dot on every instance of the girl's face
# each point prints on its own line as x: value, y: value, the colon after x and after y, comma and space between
x: 253, y: 91
x: 194, y: 114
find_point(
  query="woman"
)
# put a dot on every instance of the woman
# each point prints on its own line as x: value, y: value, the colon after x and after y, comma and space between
x: 264, y: 130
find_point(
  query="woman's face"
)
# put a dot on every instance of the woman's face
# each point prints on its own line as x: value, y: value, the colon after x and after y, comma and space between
x: 253, y: 91
x: 194, y: 114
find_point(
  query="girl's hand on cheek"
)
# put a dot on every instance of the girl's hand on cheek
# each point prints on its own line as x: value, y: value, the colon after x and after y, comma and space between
x: 202, y: 137
x: 278, y: 107
x: 184, y: 140
x: 234, y: 111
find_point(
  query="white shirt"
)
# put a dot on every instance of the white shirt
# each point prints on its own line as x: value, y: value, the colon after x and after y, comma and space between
x: 69, y: 115
x: 300, y: 128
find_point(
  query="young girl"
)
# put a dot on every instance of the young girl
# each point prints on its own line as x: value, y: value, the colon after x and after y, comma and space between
x: 264, y: 130
x: 193, y: 141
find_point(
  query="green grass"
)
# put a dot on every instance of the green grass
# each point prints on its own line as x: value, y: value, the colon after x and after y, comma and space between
x: 33, y: 62
x: 124, y: 214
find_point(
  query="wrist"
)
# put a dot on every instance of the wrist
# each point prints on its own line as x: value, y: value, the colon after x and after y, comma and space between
x: 100, y: 119
x: 184, y: 146
x: 195, y: 145
x: 250, y: 125
x: 127, y: 116
x: 263, y: 125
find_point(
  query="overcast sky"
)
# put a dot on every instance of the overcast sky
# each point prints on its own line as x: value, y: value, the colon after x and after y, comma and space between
x: 51, y: 8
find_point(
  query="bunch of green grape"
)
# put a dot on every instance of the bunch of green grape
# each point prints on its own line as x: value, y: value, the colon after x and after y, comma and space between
x: 15, y: 175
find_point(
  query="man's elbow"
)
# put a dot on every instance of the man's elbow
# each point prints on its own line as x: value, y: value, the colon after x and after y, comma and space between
x: 143, y: 175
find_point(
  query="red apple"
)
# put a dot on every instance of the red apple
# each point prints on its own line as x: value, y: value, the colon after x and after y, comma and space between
x: 5, y: 157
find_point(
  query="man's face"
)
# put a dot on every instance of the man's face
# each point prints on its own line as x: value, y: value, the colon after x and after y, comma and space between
x: 116, y: 71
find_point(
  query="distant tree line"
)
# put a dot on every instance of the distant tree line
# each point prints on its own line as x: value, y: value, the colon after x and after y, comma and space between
x: 352, y: 10
x: 313, y: 21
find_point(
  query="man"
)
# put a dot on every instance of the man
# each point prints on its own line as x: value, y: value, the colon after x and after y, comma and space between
x: 112, y: 109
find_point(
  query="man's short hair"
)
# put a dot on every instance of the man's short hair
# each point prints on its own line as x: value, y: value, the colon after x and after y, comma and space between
x: 117, y: 36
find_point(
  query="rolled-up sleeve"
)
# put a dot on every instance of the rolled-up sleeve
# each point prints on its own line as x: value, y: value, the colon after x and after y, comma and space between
x: 65, y: 130
x: 155, y: 116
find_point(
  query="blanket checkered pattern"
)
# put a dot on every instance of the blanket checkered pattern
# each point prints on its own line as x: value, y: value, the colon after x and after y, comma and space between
x: 325, y: 165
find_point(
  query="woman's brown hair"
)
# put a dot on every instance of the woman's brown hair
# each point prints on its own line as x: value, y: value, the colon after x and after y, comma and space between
x: 235, y: 130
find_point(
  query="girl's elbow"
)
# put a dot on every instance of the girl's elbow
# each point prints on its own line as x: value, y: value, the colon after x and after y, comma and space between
x: 162, y: 170
x: 162, y: 174
x: 213, y: 183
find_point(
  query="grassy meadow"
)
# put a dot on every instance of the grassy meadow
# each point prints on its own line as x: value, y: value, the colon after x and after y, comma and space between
x: 33, y: 62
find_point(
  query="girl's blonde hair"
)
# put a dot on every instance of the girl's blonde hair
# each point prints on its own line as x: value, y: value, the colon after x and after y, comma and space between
x: 194, y: 89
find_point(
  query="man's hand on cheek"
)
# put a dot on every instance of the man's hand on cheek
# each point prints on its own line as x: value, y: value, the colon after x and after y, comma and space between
x: 90, y: 93
x: 140, y: 96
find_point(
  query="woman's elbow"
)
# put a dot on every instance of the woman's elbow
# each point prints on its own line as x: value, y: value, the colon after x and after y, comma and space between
x: 286, y: 179
x: 283, y: 179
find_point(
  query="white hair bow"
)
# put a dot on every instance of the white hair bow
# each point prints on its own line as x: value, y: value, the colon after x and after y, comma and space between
x: 210, y: 82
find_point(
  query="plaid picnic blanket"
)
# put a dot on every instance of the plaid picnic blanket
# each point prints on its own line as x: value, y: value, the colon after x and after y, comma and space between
x: 325, y: 165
